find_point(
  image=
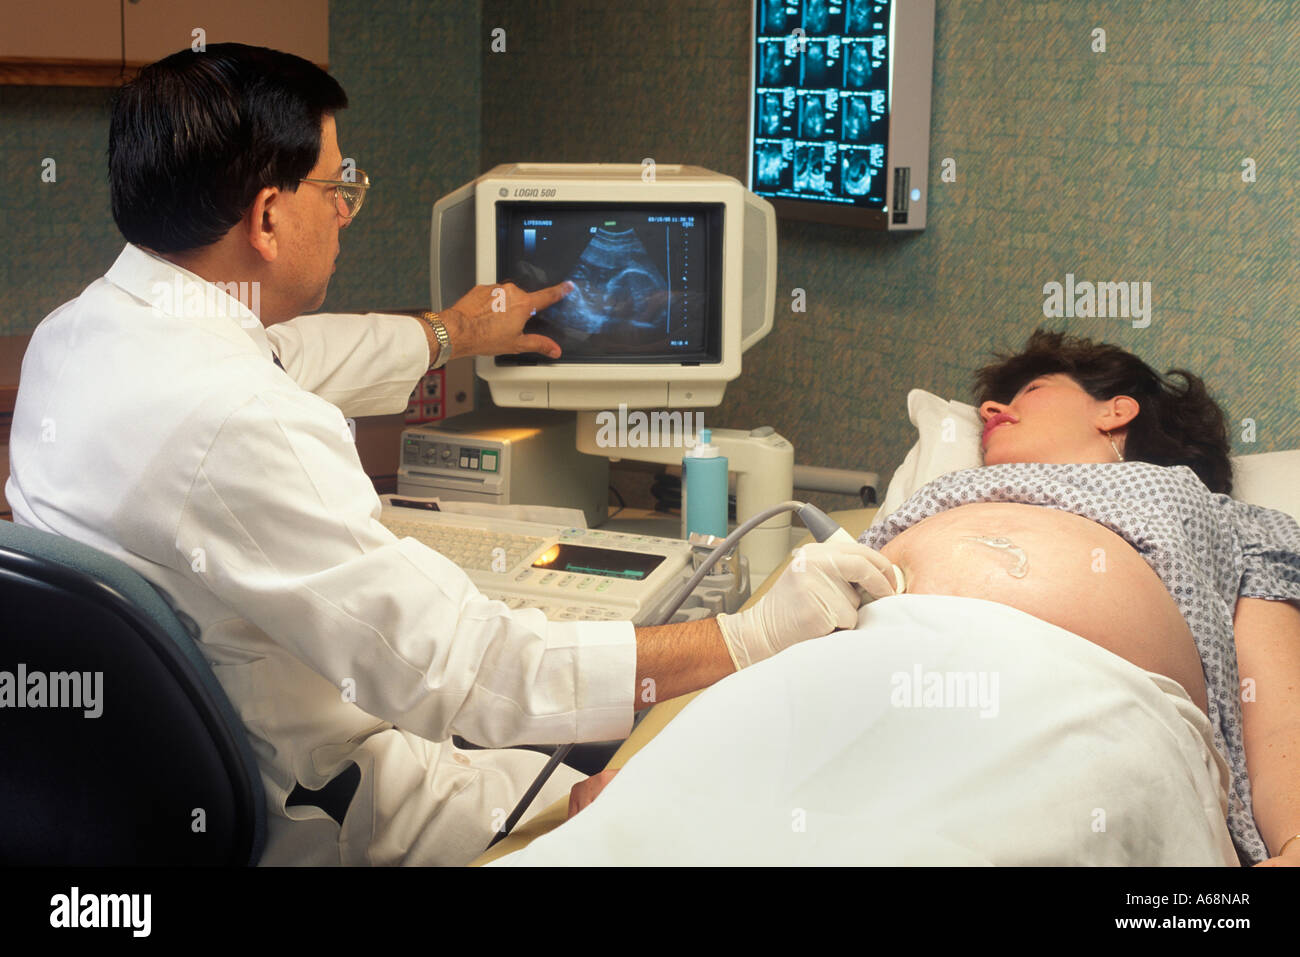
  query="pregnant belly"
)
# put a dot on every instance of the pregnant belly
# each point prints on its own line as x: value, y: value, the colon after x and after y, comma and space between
x: 1062, y: 568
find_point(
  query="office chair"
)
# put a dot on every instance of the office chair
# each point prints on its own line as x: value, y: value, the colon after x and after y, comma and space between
x: 164, y: 774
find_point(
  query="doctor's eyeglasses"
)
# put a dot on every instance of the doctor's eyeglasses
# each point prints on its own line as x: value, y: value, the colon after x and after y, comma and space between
x: 349, y: 194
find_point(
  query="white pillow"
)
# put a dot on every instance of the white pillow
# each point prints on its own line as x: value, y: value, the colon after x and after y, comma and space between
x: 949, y: 435
x: 949, y: 440
x: 1271, y: 479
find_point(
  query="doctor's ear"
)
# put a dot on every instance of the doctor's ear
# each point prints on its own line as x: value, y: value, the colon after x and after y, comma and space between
x: 261, y: 220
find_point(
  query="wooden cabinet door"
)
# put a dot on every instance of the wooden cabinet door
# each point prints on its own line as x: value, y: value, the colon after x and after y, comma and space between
x: 60, y: 41
x: 156, y: 28
x: 103, y: 42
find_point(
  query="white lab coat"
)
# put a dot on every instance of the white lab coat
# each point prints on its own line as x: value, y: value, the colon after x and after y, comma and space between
x: 158, y: 429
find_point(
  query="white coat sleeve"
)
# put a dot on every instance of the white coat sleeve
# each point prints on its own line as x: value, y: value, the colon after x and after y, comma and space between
x: 364, y: 364
x: 286, y: 524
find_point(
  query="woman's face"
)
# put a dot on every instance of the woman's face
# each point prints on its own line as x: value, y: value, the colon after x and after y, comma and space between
x: 1051, y: 419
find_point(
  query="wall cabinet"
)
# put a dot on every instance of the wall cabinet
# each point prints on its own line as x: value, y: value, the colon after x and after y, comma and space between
x: 105, y: 42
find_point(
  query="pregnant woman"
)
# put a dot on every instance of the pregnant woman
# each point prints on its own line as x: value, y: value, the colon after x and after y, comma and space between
x: 1139, y: 550
x: 1145, y: 628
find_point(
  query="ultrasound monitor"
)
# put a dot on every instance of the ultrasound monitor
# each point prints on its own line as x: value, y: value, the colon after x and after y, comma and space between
x: 674, y: 269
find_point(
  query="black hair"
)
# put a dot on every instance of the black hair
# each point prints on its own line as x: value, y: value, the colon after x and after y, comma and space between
x: 195, y: 136
x: 1177, y: 423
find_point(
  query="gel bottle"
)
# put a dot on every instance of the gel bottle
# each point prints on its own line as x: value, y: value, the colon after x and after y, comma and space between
x: 704, y: 488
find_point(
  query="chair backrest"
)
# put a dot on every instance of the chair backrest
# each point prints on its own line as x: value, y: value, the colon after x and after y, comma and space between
x: 117, y: 744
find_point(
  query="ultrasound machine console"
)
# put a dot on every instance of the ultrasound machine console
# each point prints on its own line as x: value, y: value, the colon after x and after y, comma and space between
x: 568, y: 572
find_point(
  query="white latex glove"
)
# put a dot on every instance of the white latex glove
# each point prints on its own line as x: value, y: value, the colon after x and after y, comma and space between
x: 814, y: 596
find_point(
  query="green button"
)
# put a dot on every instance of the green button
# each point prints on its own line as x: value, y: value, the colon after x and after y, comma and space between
x: 488, y: 463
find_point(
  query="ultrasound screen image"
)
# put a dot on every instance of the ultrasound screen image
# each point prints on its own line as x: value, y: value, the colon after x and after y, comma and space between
x: 858, y: 67
x: 864, y: 120
x: 814, y: 117
x: 859, y: 17
x: 778, y: 62
x: 646, y: 276
x: 814, y: 168
x: 857, y: 121
x: 857, y: 172
x: 828, y: 138
x: 774, y: 164
x: 772, y: 114
x: 821, y: 63
x: 777, y: 16
x: 816, y: 16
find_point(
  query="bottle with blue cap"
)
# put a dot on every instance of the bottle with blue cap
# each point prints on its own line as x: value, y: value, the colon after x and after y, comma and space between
x: 704, y: 488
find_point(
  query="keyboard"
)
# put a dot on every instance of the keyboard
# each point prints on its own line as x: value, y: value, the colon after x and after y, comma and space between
x: 473, y: 549
x: 567, y: 573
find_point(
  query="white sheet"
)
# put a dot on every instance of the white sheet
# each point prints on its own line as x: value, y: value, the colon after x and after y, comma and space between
x: 1074, y: 756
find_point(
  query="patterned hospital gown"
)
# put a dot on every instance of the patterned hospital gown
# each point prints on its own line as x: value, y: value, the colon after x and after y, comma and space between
x: 1208, y: 549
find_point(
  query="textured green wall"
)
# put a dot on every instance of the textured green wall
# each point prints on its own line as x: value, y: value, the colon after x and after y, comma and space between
x: 411, y: 70
x: 1123, y: 165
x: 58, y: 237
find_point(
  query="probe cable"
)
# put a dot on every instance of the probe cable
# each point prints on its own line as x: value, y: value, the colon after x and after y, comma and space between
x: 814, y: 519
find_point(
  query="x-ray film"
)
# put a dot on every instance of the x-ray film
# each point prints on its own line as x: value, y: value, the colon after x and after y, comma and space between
x: 821, y: 83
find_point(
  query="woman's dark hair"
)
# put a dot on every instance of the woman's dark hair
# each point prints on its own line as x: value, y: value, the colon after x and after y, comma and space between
x: 1177, y: 423
x: 195, y: 136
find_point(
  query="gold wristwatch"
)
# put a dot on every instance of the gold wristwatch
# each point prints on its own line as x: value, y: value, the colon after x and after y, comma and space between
x: 444, y: 340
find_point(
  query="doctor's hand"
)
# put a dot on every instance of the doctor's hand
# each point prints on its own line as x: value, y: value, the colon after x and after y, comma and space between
x: 489, y: 320
x: 815, y: 596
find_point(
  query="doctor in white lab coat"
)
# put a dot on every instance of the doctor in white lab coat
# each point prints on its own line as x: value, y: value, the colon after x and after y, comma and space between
x: 185, y: 416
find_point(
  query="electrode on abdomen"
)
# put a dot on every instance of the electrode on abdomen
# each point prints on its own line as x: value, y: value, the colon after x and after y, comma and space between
x: 1021, y: 568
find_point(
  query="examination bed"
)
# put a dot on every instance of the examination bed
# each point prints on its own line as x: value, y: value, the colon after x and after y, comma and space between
x: 855, y: 522
x: 1176, y: 739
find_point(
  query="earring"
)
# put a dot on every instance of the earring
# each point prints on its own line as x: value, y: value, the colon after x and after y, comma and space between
x: 1118, y: 455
